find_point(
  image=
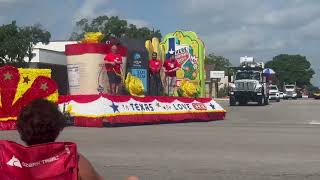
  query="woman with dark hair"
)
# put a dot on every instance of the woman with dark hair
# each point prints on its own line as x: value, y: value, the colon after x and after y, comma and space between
x: 41, y: 122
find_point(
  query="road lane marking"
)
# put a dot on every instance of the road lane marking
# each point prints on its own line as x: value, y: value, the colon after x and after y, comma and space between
x: 314, y: 122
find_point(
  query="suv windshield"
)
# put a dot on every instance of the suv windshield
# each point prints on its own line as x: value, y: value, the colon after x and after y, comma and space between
x: 289, y: 87
x: 248, y: 75
x: 273, y: 88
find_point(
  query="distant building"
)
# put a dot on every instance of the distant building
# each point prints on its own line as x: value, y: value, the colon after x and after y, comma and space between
x: 246, y: 59
x: 52, y: 53
x: 210, y: 85
x: 52, y: 56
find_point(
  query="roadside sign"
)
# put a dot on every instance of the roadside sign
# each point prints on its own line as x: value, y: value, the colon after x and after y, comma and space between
x: 217, y: 74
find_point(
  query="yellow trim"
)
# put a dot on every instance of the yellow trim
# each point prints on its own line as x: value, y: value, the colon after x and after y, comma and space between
x: 8, y: 119
x: 141, y: 113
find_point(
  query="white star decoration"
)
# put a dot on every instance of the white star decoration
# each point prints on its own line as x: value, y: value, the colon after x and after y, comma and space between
x: 171, y: 51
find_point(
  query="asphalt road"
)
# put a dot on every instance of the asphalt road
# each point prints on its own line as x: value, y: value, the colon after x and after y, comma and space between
x: 279, y: 141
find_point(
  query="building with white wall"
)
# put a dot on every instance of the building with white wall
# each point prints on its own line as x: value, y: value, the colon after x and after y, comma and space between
x: 52, y: 53
x: 52, y: 56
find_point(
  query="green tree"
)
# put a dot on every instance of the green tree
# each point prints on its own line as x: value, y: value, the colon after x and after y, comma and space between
x: 16, y: 43
x: 217, y: 63
x: 112, y: 27
x: 292, y: 69
x: 33, y: 35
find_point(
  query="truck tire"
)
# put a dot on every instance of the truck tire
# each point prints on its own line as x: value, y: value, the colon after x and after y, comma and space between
x: 232, y: 101
x: 278, y: 100
x: 261, y: 101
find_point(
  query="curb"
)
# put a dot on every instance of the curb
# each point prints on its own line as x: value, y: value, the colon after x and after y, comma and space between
x: 221, y: 99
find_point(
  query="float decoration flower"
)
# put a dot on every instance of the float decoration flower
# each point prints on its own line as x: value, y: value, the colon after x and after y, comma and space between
x: 92, y: 37
x: 134, y: 85
x: 18, y: 87
x: 188, y: 89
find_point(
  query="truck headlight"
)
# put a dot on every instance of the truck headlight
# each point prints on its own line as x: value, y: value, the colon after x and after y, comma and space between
x: 259, y: 89
x: 232, y: 87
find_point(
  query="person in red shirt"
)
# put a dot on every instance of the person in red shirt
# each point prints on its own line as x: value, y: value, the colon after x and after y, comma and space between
x: 113, y: 62
x: 170, y: 67
x: 154, y: 71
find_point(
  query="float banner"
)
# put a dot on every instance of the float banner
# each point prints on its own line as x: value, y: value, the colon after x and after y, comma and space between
x: 128, y: 109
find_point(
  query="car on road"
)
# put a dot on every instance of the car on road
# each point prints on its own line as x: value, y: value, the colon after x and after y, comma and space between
x: 274, y: 93
x: 290, y: 92
x: 281, y: 94
x: 316, y: 95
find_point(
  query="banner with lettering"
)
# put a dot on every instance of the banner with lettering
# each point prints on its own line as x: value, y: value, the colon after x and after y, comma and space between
x: 128, y: 109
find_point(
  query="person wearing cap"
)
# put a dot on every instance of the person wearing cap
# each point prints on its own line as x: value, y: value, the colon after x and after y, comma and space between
x: 154, y: 72
x: 170, y: 68
x: 113, y: 62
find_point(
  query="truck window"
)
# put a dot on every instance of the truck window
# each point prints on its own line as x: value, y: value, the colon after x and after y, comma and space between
x: 248, y: 75
x: 273, y: 88
x: 289, y: 87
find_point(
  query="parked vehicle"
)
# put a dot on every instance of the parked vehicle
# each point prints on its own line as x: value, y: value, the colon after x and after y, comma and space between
x: 281, y: 94
x: 274, y: 93
x: 316, y: 95
x: 299, y: 92
x: 290, y: 92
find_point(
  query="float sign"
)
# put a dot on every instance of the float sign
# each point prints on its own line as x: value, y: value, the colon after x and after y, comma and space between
x: 138, y: 66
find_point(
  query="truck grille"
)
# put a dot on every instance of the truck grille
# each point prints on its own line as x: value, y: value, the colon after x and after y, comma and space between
x: 290, y: 93
x: 245, y: 86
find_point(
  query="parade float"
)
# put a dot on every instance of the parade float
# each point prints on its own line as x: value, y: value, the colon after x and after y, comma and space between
x: 18, y: 87
x: 92, y: 108
x: 88, y: 103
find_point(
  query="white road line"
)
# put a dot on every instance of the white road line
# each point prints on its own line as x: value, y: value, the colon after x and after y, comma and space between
x: 314, y: 122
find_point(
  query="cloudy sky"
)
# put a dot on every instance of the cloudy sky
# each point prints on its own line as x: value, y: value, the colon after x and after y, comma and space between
x: 232, y: 28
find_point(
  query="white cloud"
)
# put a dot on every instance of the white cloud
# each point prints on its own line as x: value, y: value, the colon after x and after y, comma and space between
x: 89, y: 8
x: 2, y: 19
x: 231, y: 27
x: 310, y: 31
x: 139, y: 23
x: 9, y: 1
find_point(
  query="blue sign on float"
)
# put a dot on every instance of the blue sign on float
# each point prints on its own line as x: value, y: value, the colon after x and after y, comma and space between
x: 143, y: 75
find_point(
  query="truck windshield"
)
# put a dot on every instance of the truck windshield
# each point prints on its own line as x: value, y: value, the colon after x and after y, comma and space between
x: 248, y: 75
x: 289, y: 87
x: 273, y: 88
